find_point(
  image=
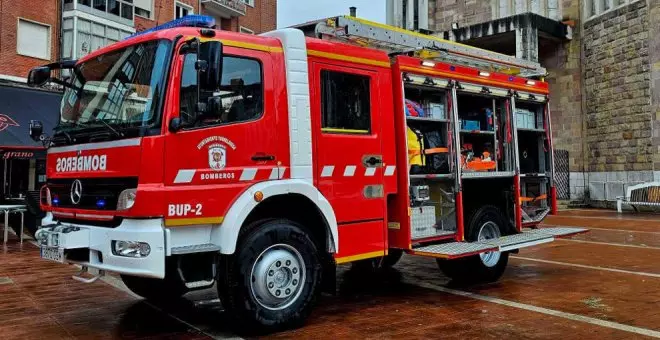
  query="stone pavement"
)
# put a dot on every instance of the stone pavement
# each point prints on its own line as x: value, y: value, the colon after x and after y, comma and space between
x: 604, y: 284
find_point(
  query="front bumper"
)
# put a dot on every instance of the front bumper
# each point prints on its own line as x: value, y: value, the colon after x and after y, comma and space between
x: 92, y: 246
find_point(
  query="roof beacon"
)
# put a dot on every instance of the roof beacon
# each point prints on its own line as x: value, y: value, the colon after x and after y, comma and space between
x: 204, y: 21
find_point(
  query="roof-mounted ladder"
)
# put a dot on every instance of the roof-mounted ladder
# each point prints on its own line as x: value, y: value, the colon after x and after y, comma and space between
x: 397, y: 40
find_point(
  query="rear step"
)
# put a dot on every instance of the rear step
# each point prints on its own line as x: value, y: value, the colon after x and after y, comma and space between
x: 527, y: 238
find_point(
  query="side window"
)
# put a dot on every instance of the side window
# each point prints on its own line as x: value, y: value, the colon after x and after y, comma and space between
x: 240, y: 93
x: 345, y: 103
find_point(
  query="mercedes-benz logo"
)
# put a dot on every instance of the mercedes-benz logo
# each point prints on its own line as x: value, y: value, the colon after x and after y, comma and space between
x: 76, y: 191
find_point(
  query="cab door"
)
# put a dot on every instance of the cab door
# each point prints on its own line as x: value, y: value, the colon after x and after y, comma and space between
x: 349, y: 159
x: 215, y: 156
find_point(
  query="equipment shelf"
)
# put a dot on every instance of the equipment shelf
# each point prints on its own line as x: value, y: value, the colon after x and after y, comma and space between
x: 432, y: 176
x: 531, y: 130
x: 426, y: 119
x: 486, y: 174
x: 478, y: 132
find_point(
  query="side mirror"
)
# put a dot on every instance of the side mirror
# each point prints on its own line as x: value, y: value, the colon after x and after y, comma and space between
x: 211, y: 53
x: 38, y: 76
x: 175, y: 124
x: 36, y: 130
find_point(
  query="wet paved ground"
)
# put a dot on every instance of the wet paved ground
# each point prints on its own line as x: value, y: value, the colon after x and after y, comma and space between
x: 604, y: 284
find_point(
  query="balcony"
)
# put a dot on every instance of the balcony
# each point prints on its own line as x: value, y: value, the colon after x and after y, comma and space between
x: 224, y: 8
x: 120, y: 11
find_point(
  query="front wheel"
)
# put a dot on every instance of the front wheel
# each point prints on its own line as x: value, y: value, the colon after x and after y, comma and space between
x: 485, y: 223
x: 274, y: 278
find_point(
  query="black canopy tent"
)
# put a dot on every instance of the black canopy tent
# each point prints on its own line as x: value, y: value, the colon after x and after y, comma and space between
x: 23, y: 159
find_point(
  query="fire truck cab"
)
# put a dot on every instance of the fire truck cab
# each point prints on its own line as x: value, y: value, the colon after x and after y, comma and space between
x: 187, y: 157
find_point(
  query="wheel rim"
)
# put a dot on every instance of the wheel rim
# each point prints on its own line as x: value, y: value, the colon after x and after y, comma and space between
x: 489, y: 231
x: 277, y: 277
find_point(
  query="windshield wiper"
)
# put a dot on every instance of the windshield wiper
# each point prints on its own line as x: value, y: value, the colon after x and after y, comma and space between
x: 117, y: 133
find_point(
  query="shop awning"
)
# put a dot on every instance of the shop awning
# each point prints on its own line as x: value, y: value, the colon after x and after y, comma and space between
x: 19, y: 105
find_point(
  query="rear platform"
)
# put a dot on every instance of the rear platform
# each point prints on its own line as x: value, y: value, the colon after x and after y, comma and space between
x: 528, y: 238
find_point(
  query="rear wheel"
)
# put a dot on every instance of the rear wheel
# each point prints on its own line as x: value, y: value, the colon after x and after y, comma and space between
x: 485, y: 223
x: 274, y: 278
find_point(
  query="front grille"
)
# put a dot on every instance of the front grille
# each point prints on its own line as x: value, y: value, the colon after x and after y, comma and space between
x: 97, y: 193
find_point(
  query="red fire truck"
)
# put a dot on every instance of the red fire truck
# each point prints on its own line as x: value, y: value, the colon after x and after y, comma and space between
x: 187, y: 156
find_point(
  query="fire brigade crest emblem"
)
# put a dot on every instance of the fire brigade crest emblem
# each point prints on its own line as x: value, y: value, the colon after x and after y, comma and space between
x: 217, y: 157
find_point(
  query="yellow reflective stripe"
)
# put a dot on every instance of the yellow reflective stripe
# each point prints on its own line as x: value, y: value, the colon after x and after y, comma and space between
x: 177, y: 222
x: 351, y: 131
x: 358, y: 257
x: 343, y: 57
x: 246, y: 45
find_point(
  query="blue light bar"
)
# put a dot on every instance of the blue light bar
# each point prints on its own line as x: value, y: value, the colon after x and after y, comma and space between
x: 203, y: 21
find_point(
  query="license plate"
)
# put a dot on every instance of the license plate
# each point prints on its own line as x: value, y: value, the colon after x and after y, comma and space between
x: 53, y: 254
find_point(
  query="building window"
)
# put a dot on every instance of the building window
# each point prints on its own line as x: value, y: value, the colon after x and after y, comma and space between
x: 345, y: 102
x: 143, y: 8
x: 181, y: 10
x: 120, y: 8
x: 240, y: 93
x: 246, y: 30
x: 33, y: 39
x: 141, y: 12
x: 595, y: 8
x: 249, y: 2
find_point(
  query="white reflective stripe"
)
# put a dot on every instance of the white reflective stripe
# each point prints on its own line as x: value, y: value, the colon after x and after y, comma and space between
x: 327, y: 171
x: 184, y: 176
x: 370, y: 172
x: 349, y: 171
x: 274, y: 173
x: 248, y: 174
x: 282, y: 172
x: 389, y: 170
x: 97, y: 146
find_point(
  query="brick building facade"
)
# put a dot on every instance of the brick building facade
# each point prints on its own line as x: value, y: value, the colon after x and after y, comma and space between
x: 35, y: 21
x: 37, y: 32
x: 604, y: 77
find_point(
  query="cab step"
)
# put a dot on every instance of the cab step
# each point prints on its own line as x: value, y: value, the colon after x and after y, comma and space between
x: 527, y: 238
x: 195, y: 248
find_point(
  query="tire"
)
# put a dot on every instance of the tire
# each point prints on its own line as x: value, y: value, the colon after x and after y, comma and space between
x: 482, y: 268
x: 273, y: 279
x: 157, y: 290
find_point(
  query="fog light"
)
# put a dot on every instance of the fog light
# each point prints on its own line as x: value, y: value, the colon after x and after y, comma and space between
x: 126, y: 199
x: 131, y: 248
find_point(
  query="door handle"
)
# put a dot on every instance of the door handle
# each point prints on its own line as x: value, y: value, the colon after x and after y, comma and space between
x: 372, y: 161
x: 260, y: 157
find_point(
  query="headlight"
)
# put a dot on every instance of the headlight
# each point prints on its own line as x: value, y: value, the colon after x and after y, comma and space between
x: 45, y: 196
x: 131, y: 248
x: 126, y: 199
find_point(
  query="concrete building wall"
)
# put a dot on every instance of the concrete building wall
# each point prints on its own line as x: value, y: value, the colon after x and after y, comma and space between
x: 13, y: 65
x: 442, y: 13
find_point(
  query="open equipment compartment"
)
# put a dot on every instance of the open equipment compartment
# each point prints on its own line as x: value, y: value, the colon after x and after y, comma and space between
x: 431, y: 158
x: 534, y: 157
x: 485, y: 138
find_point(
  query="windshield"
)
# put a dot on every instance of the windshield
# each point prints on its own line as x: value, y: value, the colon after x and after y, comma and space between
x: 118, y: 92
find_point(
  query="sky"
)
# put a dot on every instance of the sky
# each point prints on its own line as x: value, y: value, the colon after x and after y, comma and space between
x: 293, y: 12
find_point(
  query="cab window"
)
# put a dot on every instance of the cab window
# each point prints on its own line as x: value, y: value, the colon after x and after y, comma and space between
x: 345, y: 103
x: 240, y: 94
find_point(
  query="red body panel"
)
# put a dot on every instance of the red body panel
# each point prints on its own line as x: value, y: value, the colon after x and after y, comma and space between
x: 174, y: 168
